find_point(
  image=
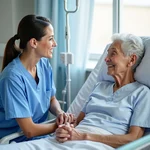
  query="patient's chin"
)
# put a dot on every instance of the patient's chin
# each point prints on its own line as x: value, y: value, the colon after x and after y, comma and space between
x: 109, y: 73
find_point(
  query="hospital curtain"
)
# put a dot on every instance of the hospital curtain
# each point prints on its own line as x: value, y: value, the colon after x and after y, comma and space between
x: 80, y: 26
x: 80, y: 29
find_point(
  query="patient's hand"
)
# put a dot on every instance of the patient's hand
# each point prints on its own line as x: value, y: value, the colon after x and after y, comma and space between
x: 63, y: 132
x: 63, y: 118
x: 68, y: 132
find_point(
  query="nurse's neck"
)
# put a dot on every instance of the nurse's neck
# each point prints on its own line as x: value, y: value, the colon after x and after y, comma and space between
x: 29, y: 60
x: 29, y: 63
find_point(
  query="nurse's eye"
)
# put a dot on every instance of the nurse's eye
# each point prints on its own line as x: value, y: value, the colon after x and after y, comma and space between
x: 51, y: 39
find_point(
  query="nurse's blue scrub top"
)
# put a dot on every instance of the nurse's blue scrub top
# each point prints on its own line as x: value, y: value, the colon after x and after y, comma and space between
x: 22, y: 97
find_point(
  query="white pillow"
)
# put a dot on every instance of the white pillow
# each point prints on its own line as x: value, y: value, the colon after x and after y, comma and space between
x: 142, y: 73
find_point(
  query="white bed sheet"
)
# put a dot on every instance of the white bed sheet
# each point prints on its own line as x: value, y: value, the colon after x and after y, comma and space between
x: 51, y: 144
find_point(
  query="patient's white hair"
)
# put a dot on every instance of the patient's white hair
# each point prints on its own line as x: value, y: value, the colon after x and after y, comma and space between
x: 130, y: 44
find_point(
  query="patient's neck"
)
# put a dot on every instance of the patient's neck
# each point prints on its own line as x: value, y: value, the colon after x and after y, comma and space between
x: 122, y: 80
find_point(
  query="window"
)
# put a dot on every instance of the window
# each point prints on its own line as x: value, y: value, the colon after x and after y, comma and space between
x: 135, y: 17
x: 111, y: 16
x: 101, y: 30
x: 102, y: 25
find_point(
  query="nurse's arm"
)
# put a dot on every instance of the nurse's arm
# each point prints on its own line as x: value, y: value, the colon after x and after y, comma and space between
x: 55, y: 106
x: 31, y: 129
x: 62, y: 117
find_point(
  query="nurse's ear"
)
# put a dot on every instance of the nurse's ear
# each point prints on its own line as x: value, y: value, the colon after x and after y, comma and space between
x: 33, y: 43
x: 132, y: 60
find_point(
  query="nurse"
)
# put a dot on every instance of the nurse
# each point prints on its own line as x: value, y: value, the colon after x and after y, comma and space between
x: 27, y: 90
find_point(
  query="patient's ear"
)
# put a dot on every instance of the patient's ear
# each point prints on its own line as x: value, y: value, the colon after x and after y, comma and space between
x: 33, y: 43
x: 133, y: 59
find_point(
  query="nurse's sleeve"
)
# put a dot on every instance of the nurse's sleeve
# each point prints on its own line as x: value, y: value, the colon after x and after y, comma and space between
x: 141, y: 111
x: 14, y: 98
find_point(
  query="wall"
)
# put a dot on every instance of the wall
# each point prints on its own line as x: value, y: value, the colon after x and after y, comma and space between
x: 11, y: 12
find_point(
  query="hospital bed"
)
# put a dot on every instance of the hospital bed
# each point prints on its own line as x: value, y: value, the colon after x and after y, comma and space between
x: 99, y: 73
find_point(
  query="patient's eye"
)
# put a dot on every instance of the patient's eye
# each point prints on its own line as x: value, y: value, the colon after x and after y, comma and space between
x: 113, y: 53
x: 110, y: 54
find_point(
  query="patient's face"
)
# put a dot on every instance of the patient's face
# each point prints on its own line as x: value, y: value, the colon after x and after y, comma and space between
x: 116, y: 61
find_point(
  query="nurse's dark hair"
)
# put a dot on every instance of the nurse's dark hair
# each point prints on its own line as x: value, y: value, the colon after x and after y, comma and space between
x: 31, y: 26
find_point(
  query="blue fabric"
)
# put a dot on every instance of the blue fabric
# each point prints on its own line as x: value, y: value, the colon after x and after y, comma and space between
x: 22, y: 97
x: 116, y: 112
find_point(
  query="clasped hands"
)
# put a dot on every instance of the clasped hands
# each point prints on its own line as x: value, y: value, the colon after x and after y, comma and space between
x: 66, y: 132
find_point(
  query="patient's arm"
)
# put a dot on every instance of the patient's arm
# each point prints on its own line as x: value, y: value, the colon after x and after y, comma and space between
x: 31, y: 129
x: 112, y: 140
x: 135, y: 132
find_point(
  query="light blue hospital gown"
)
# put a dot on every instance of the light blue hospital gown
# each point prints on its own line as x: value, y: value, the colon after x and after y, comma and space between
x: 116, y: 112
x: 22, y: 97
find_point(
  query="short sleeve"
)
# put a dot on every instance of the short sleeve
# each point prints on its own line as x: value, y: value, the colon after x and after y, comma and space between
x: 13, y: 98
x: 141, y: 111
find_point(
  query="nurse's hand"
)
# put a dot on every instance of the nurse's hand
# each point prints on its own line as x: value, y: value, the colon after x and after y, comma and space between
x: 63, y: 118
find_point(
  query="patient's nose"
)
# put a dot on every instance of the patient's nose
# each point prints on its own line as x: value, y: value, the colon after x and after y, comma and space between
x: 107, y: 59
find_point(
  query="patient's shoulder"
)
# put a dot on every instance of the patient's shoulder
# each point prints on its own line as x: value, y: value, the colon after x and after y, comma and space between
x: 141, y: 85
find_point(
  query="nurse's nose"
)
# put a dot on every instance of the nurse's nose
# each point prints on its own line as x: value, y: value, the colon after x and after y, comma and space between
x: 54, y: 43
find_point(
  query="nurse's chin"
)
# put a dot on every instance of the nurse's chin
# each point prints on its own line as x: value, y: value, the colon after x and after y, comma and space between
x: 50, y: 56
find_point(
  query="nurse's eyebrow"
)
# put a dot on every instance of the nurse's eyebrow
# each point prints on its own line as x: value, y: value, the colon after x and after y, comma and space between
x: 51, y: 36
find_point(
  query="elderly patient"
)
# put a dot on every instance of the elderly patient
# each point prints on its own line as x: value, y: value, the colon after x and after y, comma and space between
x: 116, y: 113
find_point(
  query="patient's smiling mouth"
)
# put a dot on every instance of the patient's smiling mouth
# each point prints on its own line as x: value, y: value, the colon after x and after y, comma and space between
x: 111, y: 66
